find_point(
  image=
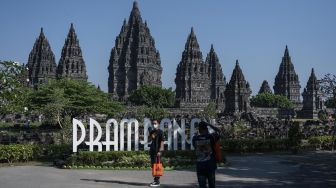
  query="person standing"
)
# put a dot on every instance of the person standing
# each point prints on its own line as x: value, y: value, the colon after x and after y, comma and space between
x: 204, y: 144
x: 156, y: 148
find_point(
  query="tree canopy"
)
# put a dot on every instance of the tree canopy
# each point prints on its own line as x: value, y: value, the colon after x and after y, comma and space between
x: 70, y: 98
x: 269, y: 100
x: 13, y: 93
x: 153, y: 96
x: 209, y: 112
x: 328, y: 87
x: 330, y: 103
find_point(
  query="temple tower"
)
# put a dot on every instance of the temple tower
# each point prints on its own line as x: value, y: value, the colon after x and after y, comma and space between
x: 265, y: 88
x: 41, y: 62
x: 134, y: 60
x: 287, y: 81
x: 192, y: 76
x: 217, y: 79
x: 312, y: 98
x: 71, y: 64
x: 237, y: 93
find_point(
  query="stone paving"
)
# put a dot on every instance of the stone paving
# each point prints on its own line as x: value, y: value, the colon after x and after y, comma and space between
x: 316, y: 169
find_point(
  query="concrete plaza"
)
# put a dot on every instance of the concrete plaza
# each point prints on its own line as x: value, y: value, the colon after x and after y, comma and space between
x: 316, y: 169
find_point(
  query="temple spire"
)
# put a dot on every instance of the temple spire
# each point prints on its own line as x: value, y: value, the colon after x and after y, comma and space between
x: 42, y: 33
x: 134, y: 60
x: 191, y: 72
x: 72, y: 28
x: 312, y: 98
x: 71, y: 64
x: 192, y: 52
x: 41, y: 62
x: 135, y: 5
x: 237, y: 92
x: 286, y: 54
x: 265, y: 88
x: 135, y: 13
x: 217, y: 78
x: 287, y: 81
x: 212, y: 57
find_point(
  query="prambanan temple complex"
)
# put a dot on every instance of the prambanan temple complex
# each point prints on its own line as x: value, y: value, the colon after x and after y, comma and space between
x: 135, y: 61
x: 41, y: 62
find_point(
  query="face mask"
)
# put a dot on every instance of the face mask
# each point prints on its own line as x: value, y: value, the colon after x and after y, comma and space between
x: 156, y: 126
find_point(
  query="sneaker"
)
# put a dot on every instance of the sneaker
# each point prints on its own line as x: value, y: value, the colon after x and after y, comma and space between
x: 154, y: 184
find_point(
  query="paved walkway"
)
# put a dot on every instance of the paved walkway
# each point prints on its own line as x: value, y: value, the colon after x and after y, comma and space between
x: 308, y: 170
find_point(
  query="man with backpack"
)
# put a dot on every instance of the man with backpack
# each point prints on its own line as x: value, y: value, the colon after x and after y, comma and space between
x: 205, y: 145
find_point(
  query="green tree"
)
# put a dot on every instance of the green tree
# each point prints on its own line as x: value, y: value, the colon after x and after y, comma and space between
x: 155, y: 113
x: 13, y: 92
x: 330, y: 103
x: 209, y: 112
x: 141, y: 112
x: 328, y: 87
x: 64, y: 99
x: 269, y: 100
x: 153, y: 96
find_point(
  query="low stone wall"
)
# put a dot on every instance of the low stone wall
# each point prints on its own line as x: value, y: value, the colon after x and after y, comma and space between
x: 30, y: 137
x: 273, y: 112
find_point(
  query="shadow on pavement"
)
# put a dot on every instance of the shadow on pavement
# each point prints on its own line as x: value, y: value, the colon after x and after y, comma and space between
x: 137, y: 183
x: 117, y: 182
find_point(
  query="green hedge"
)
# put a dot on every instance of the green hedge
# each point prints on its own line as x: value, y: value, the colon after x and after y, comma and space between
x: 16, y: 153
x: 127, y: 159
x: 321, y: 142
x: 25, y: 152
x: 255, y: 145
x: 140, y: 159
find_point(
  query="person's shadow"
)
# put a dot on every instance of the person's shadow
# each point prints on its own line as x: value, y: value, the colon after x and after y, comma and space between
x: 134, y: 183
x: 118, y: 182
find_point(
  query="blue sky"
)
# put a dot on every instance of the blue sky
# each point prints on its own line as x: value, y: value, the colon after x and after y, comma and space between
x: 255, y: 32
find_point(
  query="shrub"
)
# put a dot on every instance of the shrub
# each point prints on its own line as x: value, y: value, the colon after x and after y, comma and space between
x: 16, y: 153
x: 321, y: 142
x: 24, y: 152
x: 254, y: 145
x: 153, y: 96
x: 127, y: 159
x: 269, y: 100
x: 330, y: 103
x: 322, y: 115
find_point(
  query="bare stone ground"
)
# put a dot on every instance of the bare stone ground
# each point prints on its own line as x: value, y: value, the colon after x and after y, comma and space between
x: 316, y: 169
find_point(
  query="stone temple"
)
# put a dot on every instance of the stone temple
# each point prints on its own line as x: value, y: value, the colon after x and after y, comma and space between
x: 237, y: 92
x: 134, y: 60
x: 265, y: 88
x: 287, y: 81
x: 198, y: 82
x: 71, y: 64
x: 42, y: 66
x: 312, y: 98
x: 217, y: 79
x: 41, y: 62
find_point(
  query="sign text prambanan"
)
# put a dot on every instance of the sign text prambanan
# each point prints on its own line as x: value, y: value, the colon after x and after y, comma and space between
x: 175, y: 134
